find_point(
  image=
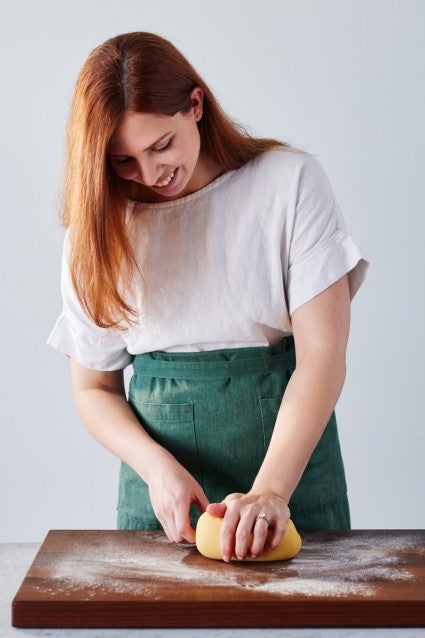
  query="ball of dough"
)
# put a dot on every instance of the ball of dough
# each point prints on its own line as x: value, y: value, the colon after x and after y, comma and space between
x: 208, y: 540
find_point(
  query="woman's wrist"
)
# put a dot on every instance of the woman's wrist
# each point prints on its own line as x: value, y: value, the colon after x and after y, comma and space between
x: 265, y: 490
x: 155, y: 461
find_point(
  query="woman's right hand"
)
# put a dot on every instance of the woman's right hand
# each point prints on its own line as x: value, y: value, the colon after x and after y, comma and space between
x: 107, y: 415
x: 172, y: 489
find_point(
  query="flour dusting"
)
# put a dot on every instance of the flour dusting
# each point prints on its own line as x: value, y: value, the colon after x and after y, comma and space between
x: 331, y: 567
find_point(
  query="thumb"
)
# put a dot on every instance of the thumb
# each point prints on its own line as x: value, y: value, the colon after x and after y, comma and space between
x: 216, y: 509
x: 201, y: 500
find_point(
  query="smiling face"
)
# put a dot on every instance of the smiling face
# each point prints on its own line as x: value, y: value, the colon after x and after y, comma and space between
x: 161, y: 152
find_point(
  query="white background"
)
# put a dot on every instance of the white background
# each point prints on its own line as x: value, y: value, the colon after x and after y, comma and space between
x: 343, y: 80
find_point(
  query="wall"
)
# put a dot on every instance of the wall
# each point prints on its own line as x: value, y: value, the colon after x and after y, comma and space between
x: 342, y: 80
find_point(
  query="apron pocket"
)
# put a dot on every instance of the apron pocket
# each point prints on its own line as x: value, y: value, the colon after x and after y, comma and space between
x: 172, y: 426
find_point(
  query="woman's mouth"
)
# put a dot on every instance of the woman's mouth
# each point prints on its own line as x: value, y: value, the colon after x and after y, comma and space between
x: 168, y: 181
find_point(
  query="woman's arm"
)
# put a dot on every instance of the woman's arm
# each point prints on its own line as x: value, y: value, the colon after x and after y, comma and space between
x: 321, y: 328
x: 105, y: 412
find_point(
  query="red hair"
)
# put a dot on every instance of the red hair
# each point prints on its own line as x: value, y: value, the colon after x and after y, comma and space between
x: 139, y: 72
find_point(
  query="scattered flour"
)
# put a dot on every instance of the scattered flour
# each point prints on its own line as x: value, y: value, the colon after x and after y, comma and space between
x: 335, y: 568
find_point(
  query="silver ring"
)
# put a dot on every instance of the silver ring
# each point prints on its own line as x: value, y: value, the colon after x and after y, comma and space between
x: 263, y: 517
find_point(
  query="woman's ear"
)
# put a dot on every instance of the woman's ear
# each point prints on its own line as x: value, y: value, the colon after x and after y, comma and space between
x: 197, y: 99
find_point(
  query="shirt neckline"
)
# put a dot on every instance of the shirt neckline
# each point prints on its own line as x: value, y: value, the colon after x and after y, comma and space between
x: 186, y: 198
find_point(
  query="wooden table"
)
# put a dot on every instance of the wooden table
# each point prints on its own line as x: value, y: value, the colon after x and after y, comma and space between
x: 138, y: 579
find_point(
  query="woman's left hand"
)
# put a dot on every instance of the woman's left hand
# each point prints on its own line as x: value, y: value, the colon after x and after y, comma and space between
x: 241, y: 515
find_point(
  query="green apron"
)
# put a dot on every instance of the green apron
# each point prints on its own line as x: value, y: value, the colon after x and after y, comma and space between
x: 215, y: 412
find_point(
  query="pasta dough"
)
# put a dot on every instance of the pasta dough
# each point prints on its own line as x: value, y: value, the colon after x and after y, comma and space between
x: 208, y: 540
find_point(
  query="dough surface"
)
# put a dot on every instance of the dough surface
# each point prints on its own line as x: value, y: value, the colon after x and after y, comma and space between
x: 208, y: 541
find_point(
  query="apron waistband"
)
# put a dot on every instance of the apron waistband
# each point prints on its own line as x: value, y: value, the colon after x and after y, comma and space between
x: 217, y: 363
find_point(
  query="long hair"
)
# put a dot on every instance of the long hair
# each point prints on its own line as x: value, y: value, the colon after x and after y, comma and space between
x: 139, y: 72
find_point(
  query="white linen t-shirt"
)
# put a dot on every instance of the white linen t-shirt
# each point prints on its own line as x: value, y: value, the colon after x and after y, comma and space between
x: 224, y: 267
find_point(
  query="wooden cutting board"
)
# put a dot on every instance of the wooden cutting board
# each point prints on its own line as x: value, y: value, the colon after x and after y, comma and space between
x: 138, y: 579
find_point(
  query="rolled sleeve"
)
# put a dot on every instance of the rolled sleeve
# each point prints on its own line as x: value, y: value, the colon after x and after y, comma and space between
x: 92, y: 351
x: 321, y: 250
x: 75, y: 334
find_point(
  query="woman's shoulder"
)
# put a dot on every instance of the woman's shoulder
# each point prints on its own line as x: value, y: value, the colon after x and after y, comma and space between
x: 277, y: 167
x: 290, y: 168
x: 281, y: 162
x: 285, y: 157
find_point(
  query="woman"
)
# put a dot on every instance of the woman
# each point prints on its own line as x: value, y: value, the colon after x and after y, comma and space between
x: 219, y: 265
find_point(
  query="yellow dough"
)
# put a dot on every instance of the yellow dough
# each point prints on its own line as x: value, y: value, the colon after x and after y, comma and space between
x: 208, y: 540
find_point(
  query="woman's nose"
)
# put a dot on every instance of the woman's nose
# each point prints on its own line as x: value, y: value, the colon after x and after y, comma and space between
x: 148, y: 172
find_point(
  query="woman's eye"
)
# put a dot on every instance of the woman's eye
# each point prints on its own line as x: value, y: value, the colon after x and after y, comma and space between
x: 161, y: 149
x: 122, y: 160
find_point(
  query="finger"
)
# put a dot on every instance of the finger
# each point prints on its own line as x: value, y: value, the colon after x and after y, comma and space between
x: 189, y: 535
x: 243, y: 536
x: 230, y: 498
x: 259, y: 535
x: 201, y: 500
x: 184, y: 533
x: 170, y: 515
x: 170, y: 529
x: 216, y: 509
x: 183, y: 530
x: 169, y: 534
x: 227, y: 534
x: 277, y: 535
